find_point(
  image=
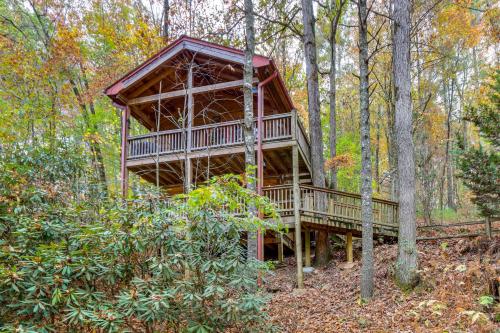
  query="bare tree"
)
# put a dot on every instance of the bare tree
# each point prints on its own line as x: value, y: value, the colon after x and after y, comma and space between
x: 406, y: 267
x: 315, y: 130
x: 366, y: 169
x: 248, y: 114
x: 335, y: 10
x: 166, y: 16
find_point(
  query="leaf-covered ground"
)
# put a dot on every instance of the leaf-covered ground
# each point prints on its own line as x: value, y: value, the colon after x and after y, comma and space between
x: 454, y: 276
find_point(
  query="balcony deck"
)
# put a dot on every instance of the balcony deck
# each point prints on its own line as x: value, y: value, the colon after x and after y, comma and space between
x: 279, y: 131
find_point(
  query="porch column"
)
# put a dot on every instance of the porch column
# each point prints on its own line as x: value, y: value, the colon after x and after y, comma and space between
x: 296, y: 214
x: 188, y: 172
x: 124, y: 150
x: 260, y: 154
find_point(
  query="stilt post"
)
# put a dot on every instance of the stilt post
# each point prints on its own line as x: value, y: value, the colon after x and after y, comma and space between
x: 124, y: 150
x: 281, y: 257
x: 188, y: 172
x: 348, y: 246
x: 296, y: 214
x: 260, y: 154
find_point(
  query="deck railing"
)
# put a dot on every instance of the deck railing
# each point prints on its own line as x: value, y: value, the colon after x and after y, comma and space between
x: 168, y: 142
x: 330, y: 203
x: 275, y: 127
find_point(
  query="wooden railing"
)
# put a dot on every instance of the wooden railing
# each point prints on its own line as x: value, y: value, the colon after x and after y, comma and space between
x: 303, y: 140
x: 337, y: 204
x: 345, y: 205
x: 282, y: 197
x: 165, y: 142
x: 275, y: 127
x: 217, y: 135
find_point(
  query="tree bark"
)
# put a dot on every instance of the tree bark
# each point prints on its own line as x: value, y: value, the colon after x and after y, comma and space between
x: 333, y: 111
x: 406, y: 267
x: 377, y: 151
x: 335, y: 16
x: 366, y: 172
x: 94, y: 145
x: 315, y: 130
x: 166, y: 15
x: 249, y: 136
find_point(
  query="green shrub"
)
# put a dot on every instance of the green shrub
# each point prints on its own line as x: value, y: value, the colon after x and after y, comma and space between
x: 73, y: 262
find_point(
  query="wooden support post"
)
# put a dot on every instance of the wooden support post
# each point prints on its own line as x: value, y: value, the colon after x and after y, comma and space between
x: 280, y: 249
x: 348, y: 246
x: 487, y: 222
x: 307, y: 240
x: 260, y: 155
x: 188, y: 172
x: 124, y: 170
x: 296, y: 213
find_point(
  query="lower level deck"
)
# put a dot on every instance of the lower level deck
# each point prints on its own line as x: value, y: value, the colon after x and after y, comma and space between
x: 337, y: 211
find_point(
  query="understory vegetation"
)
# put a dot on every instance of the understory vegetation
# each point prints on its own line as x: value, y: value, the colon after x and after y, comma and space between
x: 72, y: 261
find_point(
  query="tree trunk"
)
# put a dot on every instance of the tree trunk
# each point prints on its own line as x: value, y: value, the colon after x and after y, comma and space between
x: 392, y: 148
x: 447, y: 176
x: 333, y: 115
x: 248, y: 115
x: 366, y: 169
x: 423, y: 155
x: 94, y: 145
x: 406, y: 267
x: 315, y: 130
x: 377, y: 151
x: 335, y: 15
x: 166, y: 15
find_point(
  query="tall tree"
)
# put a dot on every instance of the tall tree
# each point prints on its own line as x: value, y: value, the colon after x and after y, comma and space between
x: 315, y: 130
x: 406, y: 268
x: 248, y: 114
x: 166, y: 17
x: 366, y: 169
x: 335, y: 10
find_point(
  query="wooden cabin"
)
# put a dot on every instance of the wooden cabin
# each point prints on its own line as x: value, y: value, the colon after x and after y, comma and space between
x: 189, y: 97
x: 189, y: 100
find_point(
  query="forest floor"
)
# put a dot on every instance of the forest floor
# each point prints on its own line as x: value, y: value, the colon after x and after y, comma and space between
x: 454, y: 275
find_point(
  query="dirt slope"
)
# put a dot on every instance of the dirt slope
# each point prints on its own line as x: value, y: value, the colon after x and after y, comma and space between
x: 455, y: 274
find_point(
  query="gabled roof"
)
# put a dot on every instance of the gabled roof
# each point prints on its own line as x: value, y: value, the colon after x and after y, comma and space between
x: 183, y: 43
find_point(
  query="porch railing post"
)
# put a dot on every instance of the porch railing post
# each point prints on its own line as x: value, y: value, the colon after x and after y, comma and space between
x: 294, y: 124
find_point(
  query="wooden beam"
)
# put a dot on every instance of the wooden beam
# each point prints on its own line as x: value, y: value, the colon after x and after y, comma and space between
x: 146, y: 85
x: 184, y: 92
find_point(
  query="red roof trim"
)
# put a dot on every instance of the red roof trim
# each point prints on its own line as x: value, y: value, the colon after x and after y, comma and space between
x: 113, y: 89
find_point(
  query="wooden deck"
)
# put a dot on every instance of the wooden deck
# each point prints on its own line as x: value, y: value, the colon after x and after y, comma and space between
x: 337, y: 211
x: 280, y: 130
x: 217, y: 149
